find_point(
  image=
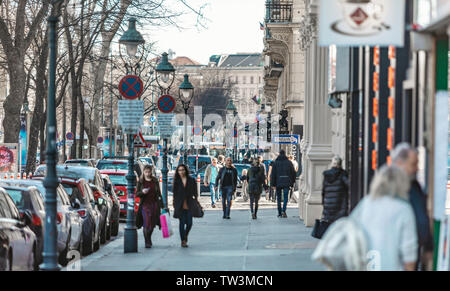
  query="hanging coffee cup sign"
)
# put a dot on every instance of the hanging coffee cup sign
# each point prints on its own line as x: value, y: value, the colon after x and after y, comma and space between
x: 361, y: 22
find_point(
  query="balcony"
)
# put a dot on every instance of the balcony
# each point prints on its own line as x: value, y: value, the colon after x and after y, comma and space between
x: 278, y: 11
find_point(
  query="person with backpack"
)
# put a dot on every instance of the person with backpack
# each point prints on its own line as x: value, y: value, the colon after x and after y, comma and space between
x: 282, y: 179
x: 256, y: 179
x: 335, y: 192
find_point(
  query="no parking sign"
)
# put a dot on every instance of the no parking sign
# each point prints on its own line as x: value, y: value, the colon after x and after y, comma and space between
x: 131, y: 87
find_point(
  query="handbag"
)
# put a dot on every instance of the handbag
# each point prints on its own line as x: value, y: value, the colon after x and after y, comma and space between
x: 320, y: 227
x: 197, y: 210
x: 166, y: 225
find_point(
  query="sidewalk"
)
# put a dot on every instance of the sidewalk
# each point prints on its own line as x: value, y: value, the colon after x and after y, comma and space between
x: 238, y: 244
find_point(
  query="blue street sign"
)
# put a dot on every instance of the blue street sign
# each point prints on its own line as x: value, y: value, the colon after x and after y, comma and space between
x: 152, y: 119
x: 159, y: 147
x: 131, y: 87
x: 286, y: 139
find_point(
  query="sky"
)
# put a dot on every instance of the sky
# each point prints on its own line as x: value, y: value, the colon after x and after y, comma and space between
x: 233, y: 27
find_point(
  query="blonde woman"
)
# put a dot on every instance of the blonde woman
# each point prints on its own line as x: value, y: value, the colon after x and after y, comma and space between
x: 388, y: 219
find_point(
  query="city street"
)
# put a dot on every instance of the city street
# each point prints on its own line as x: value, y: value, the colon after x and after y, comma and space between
x: 238, y: 244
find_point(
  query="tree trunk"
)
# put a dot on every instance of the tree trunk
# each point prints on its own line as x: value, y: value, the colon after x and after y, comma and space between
x: 41, y: 90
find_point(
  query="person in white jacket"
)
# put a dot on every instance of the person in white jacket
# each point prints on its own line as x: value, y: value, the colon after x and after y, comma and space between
x: 388, y: 220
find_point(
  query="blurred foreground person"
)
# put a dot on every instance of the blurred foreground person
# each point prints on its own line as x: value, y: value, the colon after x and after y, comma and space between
x: 406, y: 158
x: 388, y: 220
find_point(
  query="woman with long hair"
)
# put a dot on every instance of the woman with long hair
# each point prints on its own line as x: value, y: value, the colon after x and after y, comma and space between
x: 184, y: 200
x: 151, y: 203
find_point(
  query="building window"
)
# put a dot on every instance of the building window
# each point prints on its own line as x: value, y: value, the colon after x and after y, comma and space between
x: 244, y: 79
x: 252, y: 80
x: 259, y: 80
x: 237, y: 80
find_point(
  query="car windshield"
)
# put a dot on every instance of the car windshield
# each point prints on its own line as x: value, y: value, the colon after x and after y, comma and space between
x: 72, y: 191
x: 118, y: 180
x: 78, y: 163
x: 239, y: 168
x: 18, y: 198
x: 76, y: 173
x: 109, y: 165
x: 202, y: 162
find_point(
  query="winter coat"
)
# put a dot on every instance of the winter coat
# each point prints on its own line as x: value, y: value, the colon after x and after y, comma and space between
x: 418, y: 201
x: 143, y: 196
x: 255, y: 176
x: 208, y: 172
x: 283, y: 173
x: 334, y: 194
x: 181, y: 193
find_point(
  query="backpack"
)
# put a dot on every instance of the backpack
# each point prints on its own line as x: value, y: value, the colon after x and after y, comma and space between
x: 344, y: 246
x: 254, y: 185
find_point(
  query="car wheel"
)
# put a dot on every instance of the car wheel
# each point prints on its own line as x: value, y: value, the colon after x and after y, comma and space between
x: 103, y: 234
x: 32, y: 261
x: 88, y: 247
x: 115, y: 229
x: 108, y: 232
x: 6, y: 265
x: 63, y: 256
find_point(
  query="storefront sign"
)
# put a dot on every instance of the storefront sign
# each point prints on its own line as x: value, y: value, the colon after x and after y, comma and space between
x: 362, y: 22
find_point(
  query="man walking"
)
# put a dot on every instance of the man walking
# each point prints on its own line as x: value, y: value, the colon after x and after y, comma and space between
x: 220, y: 165
x: 227, y: 181
x: 210, y: 180
x: 406, y: 158
x: 283, y: 177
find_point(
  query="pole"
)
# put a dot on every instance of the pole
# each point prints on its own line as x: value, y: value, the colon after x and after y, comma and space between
x: 51, y: 182
x: 186, y: 108
x: 164, y: 172
x: 111, y: 112
x: 130, y: 242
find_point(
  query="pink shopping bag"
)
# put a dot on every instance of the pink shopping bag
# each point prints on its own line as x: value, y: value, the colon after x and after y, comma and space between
x: 166, y: 225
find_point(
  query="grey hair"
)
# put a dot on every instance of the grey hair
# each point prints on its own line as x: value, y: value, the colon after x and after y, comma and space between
x: 401, y: 152
x: 390, y: 181
x: 336, y: 162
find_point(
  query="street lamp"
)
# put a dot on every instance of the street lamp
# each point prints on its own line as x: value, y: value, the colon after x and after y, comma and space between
x: 50, y: 254
x: 165, y: 76
x: 185, y: 94
x: 131, y: 39
x: 231, y: 109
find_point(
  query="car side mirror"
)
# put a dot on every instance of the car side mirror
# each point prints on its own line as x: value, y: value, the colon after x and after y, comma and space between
x: 76, y: 204
x: 27, y: 218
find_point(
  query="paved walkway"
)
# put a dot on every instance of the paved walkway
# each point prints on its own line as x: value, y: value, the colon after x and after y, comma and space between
x: 238, y: 244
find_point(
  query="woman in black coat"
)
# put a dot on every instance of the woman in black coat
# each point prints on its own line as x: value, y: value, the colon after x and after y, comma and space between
x: 335, y: 192
x: 184, y: 200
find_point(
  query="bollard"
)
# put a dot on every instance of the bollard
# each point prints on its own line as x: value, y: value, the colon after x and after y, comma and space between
x: 12, y: 176
x: 198, y: 185
x: 24, y: 176
x: 160, y: 182
x: 18, y: 176
x: 29, y: 175
x: 6, y: 176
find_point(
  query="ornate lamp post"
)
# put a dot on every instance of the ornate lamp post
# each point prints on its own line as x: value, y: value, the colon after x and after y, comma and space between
x: 185, y: 95
x: 165, y: 76
x: 131, y: 39
x: 50, y: 254
x: 231, y: 109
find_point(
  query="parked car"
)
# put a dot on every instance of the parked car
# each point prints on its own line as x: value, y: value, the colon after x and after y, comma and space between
x: 18, y: 246
x: 30, y: 199
x: 120, y: 163
x: 118, y: 179
x: 82, y: 162
x: 115, y: 213
x: 146, y: 160
x: 83, y: 201
x: 203, y: 161
x: 93, y: 177
x: 69, y: 222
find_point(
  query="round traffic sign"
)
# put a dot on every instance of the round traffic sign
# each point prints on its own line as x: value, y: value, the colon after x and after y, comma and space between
x: 69, y: 136
x: 159, y: 147
x: 235, y: 133
x: 131, y: 87
x: 100, y: 139
x: 166, y: 104
x: 197, y: 131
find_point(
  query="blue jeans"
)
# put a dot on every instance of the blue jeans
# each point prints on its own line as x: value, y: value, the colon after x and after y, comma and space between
x: 227, y: 192
x: 185, y: 224
x: 213, y: 193
x: 285, y: 199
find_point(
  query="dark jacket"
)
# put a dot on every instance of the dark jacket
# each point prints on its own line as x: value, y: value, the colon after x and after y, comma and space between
x: 334, y: 194
x: 181, y: 193
x: 143, y: 196
x: 418, y: 201
x: 283, y: 173
x: 221, y: 176
x: 255, y: 176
